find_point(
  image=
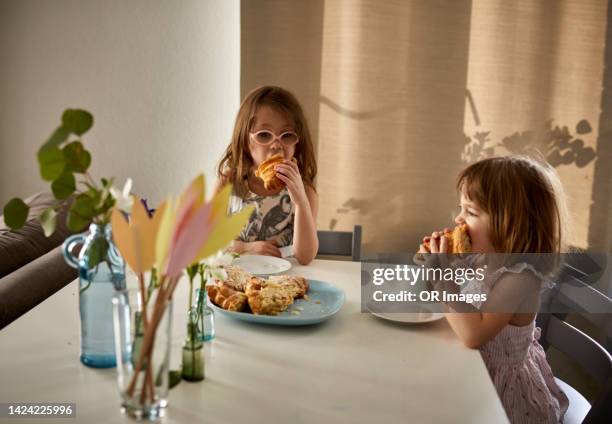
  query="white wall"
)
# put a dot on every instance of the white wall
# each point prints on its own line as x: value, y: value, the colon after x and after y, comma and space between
x: 161, y: 78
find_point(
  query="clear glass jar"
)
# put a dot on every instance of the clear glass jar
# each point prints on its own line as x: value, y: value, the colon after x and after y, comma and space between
x: 143, y: 380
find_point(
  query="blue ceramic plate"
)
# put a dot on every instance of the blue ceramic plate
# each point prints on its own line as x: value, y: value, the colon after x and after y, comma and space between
x: 324, y: 301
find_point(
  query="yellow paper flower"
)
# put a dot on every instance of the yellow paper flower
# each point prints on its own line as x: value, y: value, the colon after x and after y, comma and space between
x: 225, y: 228
x: 180, y: 233
x: 136, y: 239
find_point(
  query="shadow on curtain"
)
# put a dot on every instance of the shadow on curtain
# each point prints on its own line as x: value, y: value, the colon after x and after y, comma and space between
x: 402, y: 95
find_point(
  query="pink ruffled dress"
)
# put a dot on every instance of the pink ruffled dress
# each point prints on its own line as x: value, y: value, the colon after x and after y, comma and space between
x: 517, y: 365
x: 524, y: 381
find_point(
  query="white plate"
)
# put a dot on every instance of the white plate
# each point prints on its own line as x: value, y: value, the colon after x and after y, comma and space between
x: 422, y: 316
x: 262, y: 265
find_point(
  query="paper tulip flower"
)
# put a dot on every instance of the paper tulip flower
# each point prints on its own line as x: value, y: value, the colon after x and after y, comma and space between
x: 136, y: 239
x: 180, y: 232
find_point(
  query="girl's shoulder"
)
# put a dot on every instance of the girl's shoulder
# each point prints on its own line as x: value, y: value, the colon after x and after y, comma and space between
x: 520, y: 272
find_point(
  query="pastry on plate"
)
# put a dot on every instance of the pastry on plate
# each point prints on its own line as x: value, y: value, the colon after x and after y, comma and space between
x: 267, y: 298
x: 237, y: 278
x: 264, y: 297
x: 226, y: 297
x: 296, y: 286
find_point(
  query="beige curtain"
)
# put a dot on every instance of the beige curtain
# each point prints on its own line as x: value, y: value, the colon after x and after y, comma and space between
x: 281, y: 45
x: 403, y: 95
x: 535, y: 82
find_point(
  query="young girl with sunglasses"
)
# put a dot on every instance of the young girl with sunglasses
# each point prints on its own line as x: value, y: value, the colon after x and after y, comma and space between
x: 270, y: 122
x: 513, y: 208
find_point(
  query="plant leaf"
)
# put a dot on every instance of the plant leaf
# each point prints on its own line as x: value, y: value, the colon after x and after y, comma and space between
x: 63, y: 186
x: 192, y: 270
x: 48, y: 220
x: 104, y: 202
x: 15, y: 213
x: 51, y: 163
x: 77, y: 158
x: 76, y: 222
x: 77, y: 121
x: 57, y: 138
x: 81, y: 212
x: 86, y: 184
x: 97, y: 252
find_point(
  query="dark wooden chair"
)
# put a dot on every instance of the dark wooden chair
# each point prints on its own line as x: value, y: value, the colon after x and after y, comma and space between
x: 341, y: 243
x: 573, y: 295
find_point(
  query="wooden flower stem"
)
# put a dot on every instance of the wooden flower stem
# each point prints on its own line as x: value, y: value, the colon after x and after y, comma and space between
x: 147, y: 344
x: 164, y: 295
x: 143, y: 300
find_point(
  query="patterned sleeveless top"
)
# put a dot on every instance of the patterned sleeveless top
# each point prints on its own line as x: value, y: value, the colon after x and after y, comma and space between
x: 272, y: 218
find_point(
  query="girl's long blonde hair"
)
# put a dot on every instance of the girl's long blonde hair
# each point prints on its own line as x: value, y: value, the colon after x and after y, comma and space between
x: 525, y: 202
x: 236, y: 164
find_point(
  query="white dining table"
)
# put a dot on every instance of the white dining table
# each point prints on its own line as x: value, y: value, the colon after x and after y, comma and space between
x: 353, y: 368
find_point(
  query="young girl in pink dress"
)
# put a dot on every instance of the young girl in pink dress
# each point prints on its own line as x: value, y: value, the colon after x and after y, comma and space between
x: 510, y: 205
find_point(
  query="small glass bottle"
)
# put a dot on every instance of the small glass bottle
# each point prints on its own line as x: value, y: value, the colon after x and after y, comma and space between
x: 193, y: 350
x: 206, y: 316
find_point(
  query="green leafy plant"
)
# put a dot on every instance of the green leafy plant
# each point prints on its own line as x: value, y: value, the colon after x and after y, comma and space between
x: 63, y: 160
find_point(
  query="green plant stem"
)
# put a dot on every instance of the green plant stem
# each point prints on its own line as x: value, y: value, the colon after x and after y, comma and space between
x: 91, y: 180
x: 190, y: 294
x: 200, y: 305
x: 193, y: 336
x: 152, y: 285
x: 193, y: 350
x: 82, y: 289
x: 202, y: 279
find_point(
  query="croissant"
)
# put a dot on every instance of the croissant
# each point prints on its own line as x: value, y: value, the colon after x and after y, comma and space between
x: 253, y: 286
x: 458, y: 240
x: 266, y: 172
x: 226, y: 297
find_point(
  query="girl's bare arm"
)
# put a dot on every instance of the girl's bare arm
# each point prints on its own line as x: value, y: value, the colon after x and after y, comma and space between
x: 305, y: 240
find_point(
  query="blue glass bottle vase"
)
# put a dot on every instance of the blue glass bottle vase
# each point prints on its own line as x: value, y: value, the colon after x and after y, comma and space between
x: 205, y: 316
x: 101, y: 272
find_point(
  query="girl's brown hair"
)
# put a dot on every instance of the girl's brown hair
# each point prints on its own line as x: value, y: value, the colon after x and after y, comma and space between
x: 237, y: 163
x: 525, y: 202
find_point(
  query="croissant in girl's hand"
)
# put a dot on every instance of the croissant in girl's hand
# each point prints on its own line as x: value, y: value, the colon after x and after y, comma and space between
x: 267, y: 173
x: 458, y: 240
